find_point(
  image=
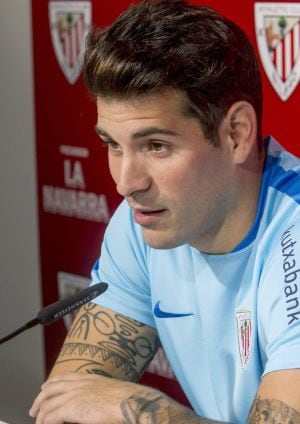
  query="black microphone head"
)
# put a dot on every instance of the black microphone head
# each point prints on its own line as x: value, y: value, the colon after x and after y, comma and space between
x: 57, y: 310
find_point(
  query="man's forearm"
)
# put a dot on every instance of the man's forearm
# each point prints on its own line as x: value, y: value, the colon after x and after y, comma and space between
x: 86, y: 398
x: 154, y: 407
x: 272, y: 411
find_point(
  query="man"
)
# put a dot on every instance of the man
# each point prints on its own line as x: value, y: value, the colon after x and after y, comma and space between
x: 203, y: 253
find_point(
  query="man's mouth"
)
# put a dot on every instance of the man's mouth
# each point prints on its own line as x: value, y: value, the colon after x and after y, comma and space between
x: 151, y: 212
x: 147, y: 216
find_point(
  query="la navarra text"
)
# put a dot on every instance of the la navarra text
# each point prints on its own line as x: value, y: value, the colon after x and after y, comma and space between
x: 73, y: 200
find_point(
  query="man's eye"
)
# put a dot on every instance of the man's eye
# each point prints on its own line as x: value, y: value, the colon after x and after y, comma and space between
x: 112, y: 145
x: 157, y: 146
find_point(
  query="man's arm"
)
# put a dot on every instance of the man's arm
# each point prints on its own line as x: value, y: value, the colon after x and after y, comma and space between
x: 101, y: 344
x: 88, y: 399
x: 277, y: 402
x: 278, y: 399
x: 104, y: 342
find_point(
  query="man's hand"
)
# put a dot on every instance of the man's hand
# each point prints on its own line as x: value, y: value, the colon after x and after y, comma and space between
x: 94, y: 399
x: 81, y: 398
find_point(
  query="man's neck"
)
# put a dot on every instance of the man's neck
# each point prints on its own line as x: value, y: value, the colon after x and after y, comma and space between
x: 238, y: 220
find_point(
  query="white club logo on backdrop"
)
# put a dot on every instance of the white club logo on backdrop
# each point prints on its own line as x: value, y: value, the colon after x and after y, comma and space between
x: 70, y: 22
x: 68, y: 285
x: 278, y: 37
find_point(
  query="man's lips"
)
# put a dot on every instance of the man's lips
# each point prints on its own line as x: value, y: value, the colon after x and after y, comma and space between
x: 147, y: 216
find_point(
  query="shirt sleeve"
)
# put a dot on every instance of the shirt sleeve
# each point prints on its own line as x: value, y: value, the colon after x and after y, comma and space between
x: 123, y: 265
x: 279, y: 301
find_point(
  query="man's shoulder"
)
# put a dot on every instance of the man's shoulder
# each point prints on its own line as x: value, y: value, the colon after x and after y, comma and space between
x: 280, y: 161
x: 280, y: 191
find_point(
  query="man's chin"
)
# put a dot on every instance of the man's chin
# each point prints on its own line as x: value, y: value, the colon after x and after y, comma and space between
x: 157, y: 240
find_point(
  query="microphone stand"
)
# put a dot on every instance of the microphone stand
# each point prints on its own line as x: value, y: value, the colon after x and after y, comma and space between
x: 24, y: 327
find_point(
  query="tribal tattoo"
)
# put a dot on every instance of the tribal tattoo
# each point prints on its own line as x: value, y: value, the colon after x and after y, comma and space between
x: 272, y: 411
x: 101, y: 340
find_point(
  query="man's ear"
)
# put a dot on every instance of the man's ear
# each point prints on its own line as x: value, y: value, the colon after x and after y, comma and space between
x: 241, y: 125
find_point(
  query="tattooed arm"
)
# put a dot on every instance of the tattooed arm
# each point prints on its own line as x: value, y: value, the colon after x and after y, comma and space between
x: 89, y: 399
x: 277, y: 402
x: 278, y: 399
x: 103, y: 342
x: 95, y: 399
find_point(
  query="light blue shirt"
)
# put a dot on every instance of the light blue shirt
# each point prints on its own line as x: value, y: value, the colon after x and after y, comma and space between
x: 223, y: 320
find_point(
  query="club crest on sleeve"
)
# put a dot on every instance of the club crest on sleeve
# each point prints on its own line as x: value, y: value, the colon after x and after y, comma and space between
x: 244, y: 330
x: 277, y: 28
x: 70, y: 22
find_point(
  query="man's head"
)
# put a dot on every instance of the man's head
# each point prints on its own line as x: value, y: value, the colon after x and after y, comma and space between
x: 162, y: 44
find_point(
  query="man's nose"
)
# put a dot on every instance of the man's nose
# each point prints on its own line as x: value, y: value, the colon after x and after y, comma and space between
x: 133, y: 176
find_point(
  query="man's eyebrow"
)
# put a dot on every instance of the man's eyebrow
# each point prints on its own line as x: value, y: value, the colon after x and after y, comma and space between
x: 101, y: 132
x: 141, y: 133
x: 152, y: 131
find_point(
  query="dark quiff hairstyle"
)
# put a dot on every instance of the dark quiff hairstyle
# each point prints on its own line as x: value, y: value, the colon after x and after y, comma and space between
x: 160, y: 44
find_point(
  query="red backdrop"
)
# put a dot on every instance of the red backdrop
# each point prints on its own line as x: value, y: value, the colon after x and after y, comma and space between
x: 76, y: 194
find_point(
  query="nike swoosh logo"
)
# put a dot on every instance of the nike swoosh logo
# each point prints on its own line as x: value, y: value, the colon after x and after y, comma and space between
x: 162, y: 314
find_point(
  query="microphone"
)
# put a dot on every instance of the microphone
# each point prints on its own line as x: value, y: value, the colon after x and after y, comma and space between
x: 58, y: 309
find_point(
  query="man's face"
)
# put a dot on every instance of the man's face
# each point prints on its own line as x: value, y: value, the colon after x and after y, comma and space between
x: 177, y: 184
